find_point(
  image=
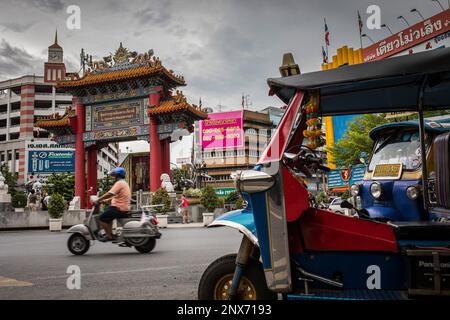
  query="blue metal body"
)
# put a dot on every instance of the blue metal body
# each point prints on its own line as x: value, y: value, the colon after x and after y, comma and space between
x: 394, y: 204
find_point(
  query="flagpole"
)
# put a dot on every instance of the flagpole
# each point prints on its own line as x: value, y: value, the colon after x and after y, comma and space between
x: 326, y: 43
x: 359, y: 28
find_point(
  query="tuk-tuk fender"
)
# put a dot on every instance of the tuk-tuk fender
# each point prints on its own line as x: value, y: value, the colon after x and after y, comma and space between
x: 81, y: 229
x: 241, y: 220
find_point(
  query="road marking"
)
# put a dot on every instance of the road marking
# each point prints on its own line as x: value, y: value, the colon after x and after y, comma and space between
x: 7, y: 282
x: 125, y: 271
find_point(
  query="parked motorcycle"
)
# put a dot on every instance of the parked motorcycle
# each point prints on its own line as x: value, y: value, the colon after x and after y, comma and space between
x: 139, y: 231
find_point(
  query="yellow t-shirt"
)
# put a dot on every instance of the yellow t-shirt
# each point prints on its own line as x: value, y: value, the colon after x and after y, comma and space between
x: 122, y: 196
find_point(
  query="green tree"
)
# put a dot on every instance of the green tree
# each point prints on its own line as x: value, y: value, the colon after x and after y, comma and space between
x: 180, y: 179
x: 161, y: 196
x: 10, y: 178
x: 64, y: 184
x: 347, y: 151
x: 209, y: 199
x: 105, y: 184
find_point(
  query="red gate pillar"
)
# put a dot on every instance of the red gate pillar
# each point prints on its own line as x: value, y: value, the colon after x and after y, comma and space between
x: 165, y: 146
x: 92, y: 174
x: 80, y: 165
x: 155, y: 147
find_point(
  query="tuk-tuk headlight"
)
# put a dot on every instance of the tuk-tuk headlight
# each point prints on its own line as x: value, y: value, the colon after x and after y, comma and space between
x: 412, y: 192
x: 375, y: 190
x: 354, y: 190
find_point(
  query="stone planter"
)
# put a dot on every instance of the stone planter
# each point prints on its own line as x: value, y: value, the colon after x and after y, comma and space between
x: 55, y: 224
x: 19, y: 210
x: 208, y: 217
x: 163, y: 220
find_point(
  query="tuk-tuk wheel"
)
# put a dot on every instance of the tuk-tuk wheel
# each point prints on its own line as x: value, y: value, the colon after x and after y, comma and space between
x: 216, y: 281
x: 78, y: 244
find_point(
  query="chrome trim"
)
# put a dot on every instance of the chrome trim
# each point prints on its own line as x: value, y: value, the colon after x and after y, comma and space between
x: 251, y: 181
x: 321, y: 279
x: 237, y: 226
x: 279, y: 277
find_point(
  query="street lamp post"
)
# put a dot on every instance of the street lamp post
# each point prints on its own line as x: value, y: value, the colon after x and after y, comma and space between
x: 366, y: 36
x: 418, y: 12
x: 440, y: 4
x: 404, y: 19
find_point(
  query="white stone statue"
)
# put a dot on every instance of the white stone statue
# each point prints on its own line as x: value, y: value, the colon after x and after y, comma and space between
x: 166, y: 183
x: 3, y: 186
x: 4, y: 196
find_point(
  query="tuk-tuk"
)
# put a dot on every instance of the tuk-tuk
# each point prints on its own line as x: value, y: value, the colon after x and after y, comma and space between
x: 392, y: 185
x: 292, y: 248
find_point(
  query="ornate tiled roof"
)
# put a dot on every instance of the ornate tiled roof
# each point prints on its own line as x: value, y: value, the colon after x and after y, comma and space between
x: 178, y: 104
x: 141, y: 71
x: 56, y: 120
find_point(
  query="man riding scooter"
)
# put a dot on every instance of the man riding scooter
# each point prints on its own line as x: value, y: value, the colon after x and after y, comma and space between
x: 120, y: 197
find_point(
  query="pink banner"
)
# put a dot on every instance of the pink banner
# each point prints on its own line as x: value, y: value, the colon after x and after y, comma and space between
x: 223, y: 130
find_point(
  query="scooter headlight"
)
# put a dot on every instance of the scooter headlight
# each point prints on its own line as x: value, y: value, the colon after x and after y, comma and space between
x: 412, y: 192
x: 354, y: 190
x: 375, y: 190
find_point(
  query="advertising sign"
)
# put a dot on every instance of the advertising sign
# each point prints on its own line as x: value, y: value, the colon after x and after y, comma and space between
x: 428, y: 30
x: 224, y: 192
x: 224, y: 130
x: 51, y: 161
x: 345, y: 177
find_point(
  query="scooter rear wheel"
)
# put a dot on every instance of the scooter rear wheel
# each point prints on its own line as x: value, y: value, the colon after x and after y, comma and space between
x: 78, y: 244
x: 148, y: 247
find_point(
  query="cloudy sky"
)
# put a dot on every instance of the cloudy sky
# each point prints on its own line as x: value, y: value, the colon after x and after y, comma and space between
x: 223, y: 48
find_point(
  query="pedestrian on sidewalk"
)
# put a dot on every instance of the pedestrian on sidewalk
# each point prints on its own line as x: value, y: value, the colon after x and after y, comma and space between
x: 33, y: 200
x: 184, y: 206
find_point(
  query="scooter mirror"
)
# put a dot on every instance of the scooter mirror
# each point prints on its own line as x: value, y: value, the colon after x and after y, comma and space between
x: 347, y: 205
x: 290, y: 156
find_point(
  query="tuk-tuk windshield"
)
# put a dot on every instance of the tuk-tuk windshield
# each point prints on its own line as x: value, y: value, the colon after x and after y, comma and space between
x: 401, y: 147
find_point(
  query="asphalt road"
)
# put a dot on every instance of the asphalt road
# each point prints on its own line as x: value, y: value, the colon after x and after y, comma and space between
x: 33, y: 265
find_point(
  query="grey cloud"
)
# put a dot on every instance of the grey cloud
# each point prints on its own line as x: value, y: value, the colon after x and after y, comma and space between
x: 155, y: 14
x: 44, y: 5
x: 16, y: 62
x: 16, y: 26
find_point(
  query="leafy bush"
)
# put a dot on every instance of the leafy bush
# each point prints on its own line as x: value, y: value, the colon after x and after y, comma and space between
x: 232, y: 197
x: 209, y: 199
x: 345, y: 195
x: 64, y: 184
x: 240, y: 203
x: 105, y: 184
x: 161, y: 196
x: 193, y: 193
x: 19, y: 200
x: 322, y: 197
x: 56, y: 206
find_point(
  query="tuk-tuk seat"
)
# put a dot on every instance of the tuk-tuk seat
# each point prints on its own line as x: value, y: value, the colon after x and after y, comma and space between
x: 422, y: 231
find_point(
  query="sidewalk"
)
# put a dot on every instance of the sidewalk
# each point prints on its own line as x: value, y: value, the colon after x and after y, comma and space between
x: 188, y: 225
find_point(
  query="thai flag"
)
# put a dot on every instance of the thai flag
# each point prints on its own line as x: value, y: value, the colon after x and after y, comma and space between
x: 325, y: 56
x: 360, y: 23
x: 327, y: 34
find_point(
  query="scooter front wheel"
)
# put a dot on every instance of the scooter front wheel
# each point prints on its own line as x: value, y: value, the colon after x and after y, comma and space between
x: 78, y: 244
x: 216, y: 281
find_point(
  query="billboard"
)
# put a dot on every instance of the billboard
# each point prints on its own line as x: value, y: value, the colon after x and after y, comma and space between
x: 224, y: 130
x: 51, y: 161
x: 427, y: 32
x: 345, y: 177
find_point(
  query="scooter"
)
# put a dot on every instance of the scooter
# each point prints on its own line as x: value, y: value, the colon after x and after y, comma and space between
x: 139, y: 231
